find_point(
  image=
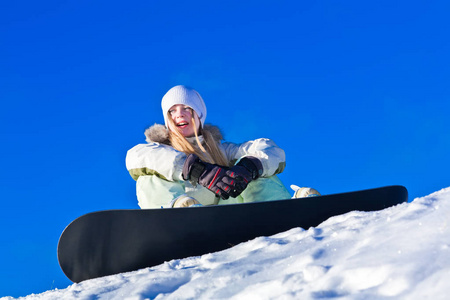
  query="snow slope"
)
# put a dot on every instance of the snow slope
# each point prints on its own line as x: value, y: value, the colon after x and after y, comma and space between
x: 402, y: 252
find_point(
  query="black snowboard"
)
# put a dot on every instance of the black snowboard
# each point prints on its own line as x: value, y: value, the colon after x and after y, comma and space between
x: 115, y: 241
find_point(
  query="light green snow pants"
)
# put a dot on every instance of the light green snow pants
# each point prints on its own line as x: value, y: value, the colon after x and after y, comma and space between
x: 155, y: 192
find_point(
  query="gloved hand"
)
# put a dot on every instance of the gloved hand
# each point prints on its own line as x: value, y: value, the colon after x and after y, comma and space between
x: 247, y: 169
x: 220, y: 180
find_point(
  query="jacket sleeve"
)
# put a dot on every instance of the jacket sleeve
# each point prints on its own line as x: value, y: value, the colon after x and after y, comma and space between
x: 155, y: 159
x: 271, y: 156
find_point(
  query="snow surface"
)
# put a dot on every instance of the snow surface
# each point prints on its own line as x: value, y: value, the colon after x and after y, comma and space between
x: 402, y: 252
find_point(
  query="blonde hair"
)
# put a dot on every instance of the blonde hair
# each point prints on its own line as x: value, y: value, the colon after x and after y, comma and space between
x: 208, y: 151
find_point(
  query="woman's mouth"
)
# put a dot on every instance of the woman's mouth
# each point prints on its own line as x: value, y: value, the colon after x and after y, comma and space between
x: 182, y: 124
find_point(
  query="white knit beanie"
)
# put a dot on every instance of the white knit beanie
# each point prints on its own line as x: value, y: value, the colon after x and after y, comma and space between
x: 181, y: 94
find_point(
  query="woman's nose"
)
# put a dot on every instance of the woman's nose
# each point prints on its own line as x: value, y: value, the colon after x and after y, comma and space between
x: 178, y: 113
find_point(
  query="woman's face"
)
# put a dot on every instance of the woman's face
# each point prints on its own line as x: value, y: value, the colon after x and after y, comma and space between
x: 182, y: 118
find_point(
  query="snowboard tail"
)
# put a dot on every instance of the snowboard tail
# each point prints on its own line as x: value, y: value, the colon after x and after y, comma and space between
x: 116, y: 241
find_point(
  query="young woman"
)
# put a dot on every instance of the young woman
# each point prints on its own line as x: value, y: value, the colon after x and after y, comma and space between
x: 185, y: 162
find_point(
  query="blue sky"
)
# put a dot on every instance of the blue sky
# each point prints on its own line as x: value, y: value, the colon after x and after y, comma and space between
x: 356, y: 93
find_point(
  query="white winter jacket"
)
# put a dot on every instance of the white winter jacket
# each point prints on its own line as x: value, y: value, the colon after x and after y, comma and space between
x: 157, y: 166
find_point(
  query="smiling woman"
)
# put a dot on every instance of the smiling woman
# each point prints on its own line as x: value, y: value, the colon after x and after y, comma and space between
x: 186, y: 163
x: 184, y: 119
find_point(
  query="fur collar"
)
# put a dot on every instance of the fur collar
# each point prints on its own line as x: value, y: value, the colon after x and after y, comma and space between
x: 160, y: 134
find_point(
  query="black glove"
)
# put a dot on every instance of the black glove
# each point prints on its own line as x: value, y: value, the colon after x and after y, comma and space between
x: 215, y: 178
x: 247, y: 169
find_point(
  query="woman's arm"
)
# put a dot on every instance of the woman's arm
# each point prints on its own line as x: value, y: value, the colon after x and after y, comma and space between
x: 155, y: 159
x: 271, y: 156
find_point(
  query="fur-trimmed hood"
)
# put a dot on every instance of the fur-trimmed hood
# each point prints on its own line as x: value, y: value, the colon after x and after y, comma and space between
x: 160, y: 134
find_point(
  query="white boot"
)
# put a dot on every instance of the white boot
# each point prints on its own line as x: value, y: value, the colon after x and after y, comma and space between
x: 184, y: 201
x: 302, y: 192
